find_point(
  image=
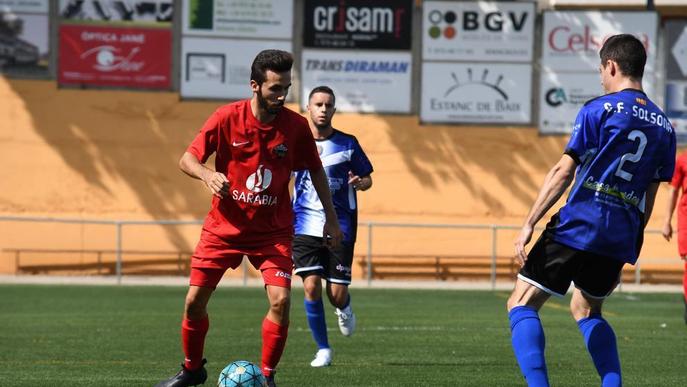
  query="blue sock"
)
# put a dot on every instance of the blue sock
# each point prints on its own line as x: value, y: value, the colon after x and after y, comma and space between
x: 314, y: 311
x: 601, y: 344
x: 528, y: 344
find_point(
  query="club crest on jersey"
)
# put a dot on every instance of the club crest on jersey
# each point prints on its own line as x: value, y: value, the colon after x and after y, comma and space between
x: 280, y: 150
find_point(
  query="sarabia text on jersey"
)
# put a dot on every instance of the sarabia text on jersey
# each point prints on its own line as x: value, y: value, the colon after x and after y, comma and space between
x: 622, y: 143
x: 340, y: 153
x: 258, y: 160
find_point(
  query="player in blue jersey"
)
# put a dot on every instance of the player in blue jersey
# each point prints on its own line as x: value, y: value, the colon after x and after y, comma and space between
x: 622, y: 146
x: 348, y: 170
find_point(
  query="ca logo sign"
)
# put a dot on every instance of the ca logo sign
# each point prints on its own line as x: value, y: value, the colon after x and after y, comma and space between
x: 259, y: 180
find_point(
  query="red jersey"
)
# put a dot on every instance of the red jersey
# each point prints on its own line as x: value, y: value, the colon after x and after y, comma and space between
x: 257, y: 159
x: 679, y: 182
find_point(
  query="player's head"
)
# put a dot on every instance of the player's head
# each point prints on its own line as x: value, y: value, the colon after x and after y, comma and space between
x: 270, y: 78
x: 321, y: 106
x: 622, y: 56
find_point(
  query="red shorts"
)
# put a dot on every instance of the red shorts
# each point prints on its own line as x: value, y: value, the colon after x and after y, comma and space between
x: 214, y: 256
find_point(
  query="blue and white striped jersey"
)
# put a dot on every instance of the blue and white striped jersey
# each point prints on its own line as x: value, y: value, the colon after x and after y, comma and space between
x: 340, y: 153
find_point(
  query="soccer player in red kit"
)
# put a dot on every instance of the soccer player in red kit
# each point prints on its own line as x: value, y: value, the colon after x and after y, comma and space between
x: 257, y: 144
x: 677, y: 185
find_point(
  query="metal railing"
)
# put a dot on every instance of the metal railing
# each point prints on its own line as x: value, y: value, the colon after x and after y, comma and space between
x: 119, y: 225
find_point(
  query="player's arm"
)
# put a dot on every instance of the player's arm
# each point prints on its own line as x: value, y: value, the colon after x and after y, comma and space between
x: 667, y: 230
x: 556, y: 182
x: 360, y: 183
x: 331, y: 223
x: 215, y: 181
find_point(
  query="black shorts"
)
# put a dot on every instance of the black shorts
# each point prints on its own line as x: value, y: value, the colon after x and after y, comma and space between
x: 310, y: 256
x: 551, y: 267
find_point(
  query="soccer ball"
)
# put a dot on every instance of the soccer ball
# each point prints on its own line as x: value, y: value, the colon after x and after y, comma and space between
x: 241, y: 373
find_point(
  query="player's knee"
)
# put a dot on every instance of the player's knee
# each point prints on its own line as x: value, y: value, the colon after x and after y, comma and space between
x: 280, y: 303
x: 579, y: 311
x: 194, y: 309
x: 313, y: 290
x: 511, y: 303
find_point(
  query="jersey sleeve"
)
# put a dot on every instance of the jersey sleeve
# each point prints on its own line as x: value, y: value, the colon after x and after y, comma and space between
x: 585, y: 136
x: 360, y: 164
x: 306, y: 156
x: 678, y: 174
x: 205, y: 143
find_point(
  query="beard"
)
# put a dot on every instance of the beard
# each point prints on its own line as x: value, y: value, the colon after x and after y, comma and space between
x: 265, y: 104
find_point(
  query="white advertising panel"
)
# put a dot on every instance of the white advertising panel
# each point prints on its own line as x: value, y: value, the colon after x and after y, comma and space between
x: 362, y: 81
x: 220, y: 68
x: 31, y: 6
x: 476, y: 93
x: 478, y: 31
x: 571, y: 40
x: 231, y: 18
x: 562, y: 95
x: 676, y: 107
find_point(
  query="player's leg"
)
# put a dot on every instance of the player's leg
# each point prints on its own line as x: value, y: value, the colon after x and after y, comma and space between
x: 547, y: 271
x: 276, y: 274
x: 599, y: 338
x: 596, y: 280
x: 527, y: 332
x: 308, y: 255
x: 338, y: 272
x: 314, y: 311
x: 682, y: 250
x: 684, y: 286
x: 194, y: 327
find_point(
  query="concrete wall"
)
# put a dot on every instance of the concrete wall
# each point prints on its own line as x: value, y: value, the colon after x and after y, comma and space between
x: 113, y: 155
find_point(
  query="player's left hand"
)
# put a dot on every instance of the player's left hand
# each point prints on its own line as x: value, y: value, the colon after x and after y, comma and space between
x: 667, y: 231
x: 356, y: 181
x: 520, y: 242
x: 332, y: 233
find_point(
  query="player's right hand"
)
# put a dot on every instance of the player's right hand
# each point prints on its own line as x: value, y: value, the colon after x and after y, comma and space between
x: 520, y: 242
x: 667, y: 231
x: 218, y: 184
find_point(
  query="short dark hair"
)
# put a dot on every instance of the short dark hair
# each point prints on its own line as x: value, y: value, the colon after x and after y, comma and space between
x: 274, y: 60
x: 323, y: 89
x: 628, y: 52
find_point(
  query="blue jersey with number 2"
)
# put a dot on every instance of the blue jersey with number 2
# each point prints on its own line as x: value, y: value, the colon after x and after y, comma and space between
x: 622, y: 143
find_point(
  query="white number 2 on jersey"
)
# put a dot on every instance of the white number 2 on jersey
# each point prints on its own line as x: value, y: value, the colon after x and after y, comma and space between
x: 631, y: 157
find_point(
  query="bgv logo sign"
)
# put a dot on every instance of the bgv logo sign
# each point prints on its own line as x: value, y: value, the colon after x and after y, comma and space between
x: 496, y: 21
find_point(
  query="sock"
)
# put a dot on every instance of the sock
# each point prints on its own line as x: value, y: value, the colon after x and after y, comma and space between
x: 600, y: 340
x: 273, y: 342
x: 193, y: 339
x: 314, y: 311
x: 528, y: 344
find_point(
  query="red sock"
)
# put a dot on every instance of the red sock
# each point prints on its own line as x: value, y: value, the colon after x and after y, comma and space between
x: 273, y: 342
x: 684, y: 282
x: 193, y: 339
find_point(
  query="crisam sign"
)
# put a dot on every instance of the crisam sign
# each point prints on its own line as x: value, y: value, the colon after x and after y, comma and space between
x: 366, y: 24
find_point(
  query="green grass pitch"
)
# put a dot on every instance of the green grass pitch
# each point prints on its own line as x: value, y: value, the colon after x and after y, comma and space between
x: 129, y: 336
